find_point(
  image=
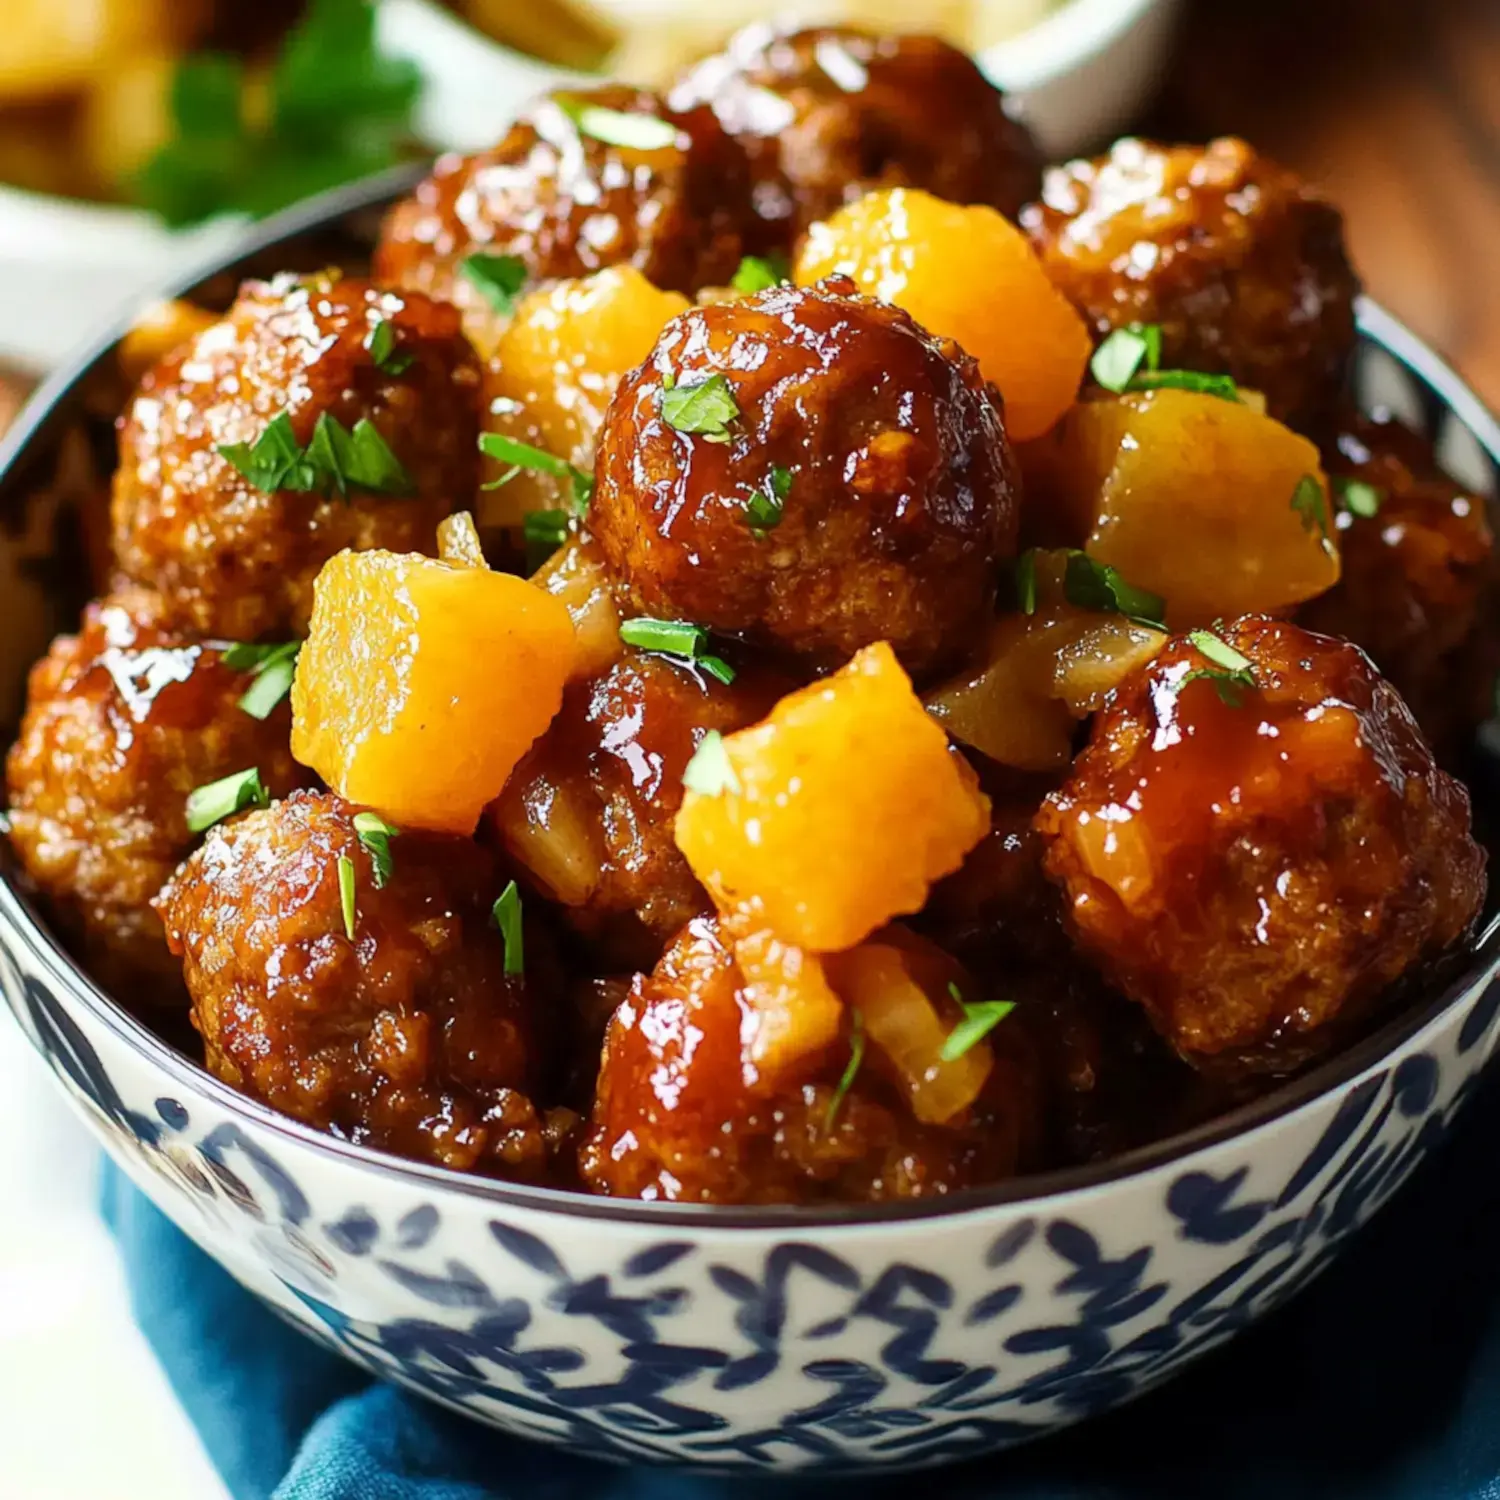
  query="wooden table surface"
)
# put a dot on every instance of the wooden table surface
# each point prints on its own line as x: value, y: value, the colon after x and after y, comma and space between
x: 1393, y: 106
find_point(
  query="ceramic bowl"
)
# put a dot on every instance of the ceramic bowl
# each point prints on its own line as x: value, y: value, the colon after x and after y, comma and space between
x: 821, y: 1338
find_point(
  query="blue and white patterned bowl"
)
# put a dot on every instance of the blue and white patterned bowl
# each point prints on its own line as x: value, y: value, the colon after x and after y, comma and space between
x: 782, y: 1338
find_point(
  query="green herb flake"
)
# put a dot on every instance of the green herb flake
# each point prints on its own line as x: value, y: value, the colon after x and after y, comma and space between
x: 980, y: 1018
x: 1089, y: 584
x: 507, y: 915
x: 545, y: 528
x: 1232, y: 671
x: 757, y: 275
x: 1359, y: 497
x: 1026, y: 581
x: 1222, y: 386
x: 375, y: 834
x: 679, y: 639
x: 274, y: 667
x: 334, y: 107
x: 499, y: 277
x: 710, y: 772
x: 1311, y: 503
x: 207, y: 805
x: 705, y: 407
x: 382, y: 343
x: 851, y: 1069
x: 346, y: 894
x: 765, y: 507
x: 1120, y: 356
x: 335, y: 459
x: 519, y: 456
x: 615, y: 127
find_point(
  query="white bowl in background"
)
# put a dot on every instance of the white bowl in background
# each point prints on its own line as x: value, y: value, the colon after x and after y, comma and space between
x: 69, y: 268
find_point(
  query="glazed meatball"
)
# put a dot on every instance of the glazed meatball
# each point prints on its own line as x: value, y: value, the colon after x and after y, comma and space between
x: 1240, y: 263
x: 1417, y: 589
x: 1254, y: 859
x: 839, y: 477
x: 410, y: 1035
x: 829, y: 113
x: 567, y: 202
x: 677, y: 1118
x: 122, y: 721
x: 236, y: 560
x: 589, y: 811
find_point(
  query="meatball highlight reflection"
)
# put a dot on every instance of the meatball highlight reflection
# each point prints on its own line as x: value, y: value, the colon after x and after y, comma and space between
x: 810, y: 470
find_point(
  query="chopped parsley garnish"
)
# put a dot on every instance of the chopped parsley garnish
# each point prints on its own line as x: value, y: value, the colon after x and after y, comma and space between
x: 346, y: 894
x: 851, y: 1069
x: 207, y: 805
x: 710, y: 772
x: 1122, y: 354
x: 273, y: 667
x: 1309, y: 501
x: 679, y: 639
x: 507, y: 915
x: 499, y: 277
x: 1222, y: 386
x: 333, y: 108
x: 1026, y: 581
x: 1130, y: 360
x: 980, y: 1018
x: 545, y: 528
x: 765, y: 507
x: 335, y: 459
x: 1095, y: 585
x: 757, y: 275
x: 518, y: 455
x: 705, y: 407
x: 1359, y: 497
x: 1232, y: 670
x: 381, y: 342
x: 376, y: 834
x: 615, y: 127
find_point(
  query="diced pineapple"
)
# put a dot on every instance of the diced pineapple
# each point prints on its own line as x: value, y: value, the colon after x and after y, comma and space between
x: 837, y: 812
x: 795, y: 1014
x: 554, y: 370
x: 422, y: 684
x: 1211, y: 504
x: 970, y: 275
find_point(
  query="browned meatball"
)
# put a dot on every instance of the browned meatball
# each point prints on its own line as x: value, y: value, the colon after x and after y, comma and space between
x: 676, y: 1118
x: 861, y: 488
x: 1256, y: 871
x: 1239, y: 261
x: 410, y: 1036
x: 568, y: 203
x: 588, y: 813
x: 828, y: 113
x: 122, y: 721
x: 234, y: 560
x: 1418, y: 578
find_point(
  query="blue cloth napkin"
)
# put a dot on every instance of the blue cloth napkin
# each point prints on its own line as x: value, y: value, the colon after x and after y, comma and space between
x: 1381, y: 1382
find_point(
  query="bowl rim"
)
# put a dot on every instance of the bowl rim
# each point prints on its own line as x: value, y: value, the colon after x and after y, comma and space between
x: 19, y: 918
x: 1062, y: 41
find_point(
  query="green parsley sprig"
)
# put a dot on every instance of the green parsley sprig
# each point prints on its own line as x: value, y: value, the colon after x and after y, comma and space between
x: 346, y: 894
x: 335, y: 459
x: 851, y: 1069
x: 1311, y: 503
x: 1231, y: 673
x: 499, y: 277
x: 375, y: 835
x: 759, y: 274
x: 519, y: 456
x: 679, y: 639
x: 705, y: 407
x: 1090, y: 584
x: 273, y: 668
x: 1359, y: 497
x: 710, y: 772
x: 217, y: 800
x: 765, y: 507
x: 382, y: 342
x: 507, y: 915
x: 980, y: 1018
x: 1130, y: 360
x: 335, y: 108
x: 617, y: 127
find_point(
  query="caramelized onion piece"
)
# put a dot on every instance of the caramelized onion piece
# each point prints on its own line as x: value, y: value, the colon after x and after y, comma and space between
x: 576, y: 575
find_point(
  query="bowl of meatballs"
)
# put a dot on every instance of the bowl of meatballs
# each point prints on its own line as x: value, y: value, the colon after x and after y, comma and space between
x: 752, y: 783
